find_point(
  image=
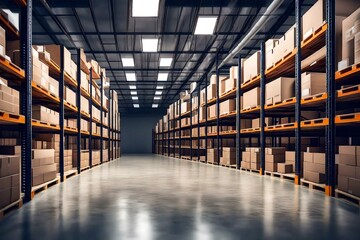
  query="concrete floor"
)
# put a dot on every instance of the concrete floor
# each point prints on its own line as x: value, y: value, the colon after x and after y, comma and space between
x: 153, y: 197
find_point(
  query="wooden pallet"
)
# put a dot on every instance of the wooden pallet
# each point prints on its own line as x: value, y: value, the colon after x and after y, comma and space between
x: 95, y: 165
x: 348, y: 72
x: 11, y: 207
x: 347, y: 118
x: 228, y: 114
x: 250, y: 130
x: 314, y: 123
x: 311, y: 185
x: 84, y: 169
x: 281, y: 127
x: 8, y: 118
x: 225, y: 94
x: 42, y: 187
x: 287, y: 176
x: 250, y: 109
x: 70, y: 173
x: 347, y: 196
x: 286, y: 102
x: 38, y: 123
x: 250, y: 170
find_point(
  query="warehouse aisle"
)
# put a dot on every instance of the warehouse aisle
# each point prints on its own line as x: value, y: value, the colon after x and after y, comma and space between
x: 152, y: 197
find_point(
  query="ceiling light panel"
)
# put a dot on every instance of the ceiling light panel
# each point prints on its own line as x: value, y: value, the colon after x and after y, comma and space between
x: 130, y: 76
x: 145, y: 8
x: 157, y: 98
x: 133, y: 92
x: 155, y: 105
x: 150, y: 44
x: 132, y: 87
x: 128, y: 62
x: 165, y: 62
x: 163, y: 76
x: 205, y: 25
x: 135, y: 98
x: 136, y: 105
x: 158, y: 92
x: 160, y: 87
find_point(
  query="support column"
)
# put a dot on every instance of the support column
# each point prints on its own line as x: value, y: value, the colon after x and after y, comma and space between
x: 238, y: 117
x: 262, y: 109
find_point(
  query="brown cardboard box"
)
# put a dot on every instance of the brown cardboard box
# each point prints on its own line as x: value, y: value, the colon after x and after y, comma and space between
x: 285, y: 168
x: 255, y: 157
x: 314, y: 167
x: 212, y: 111
x: 314, y: 177
x: 251, y: 67
x: 251, y: 98
x: 346, y: 170
x: 279, y: 90
x: 271, y: 166
x: 269, y: 58
x: 245, y: 165
x: 347, y: 159
x: 289, y: 156
x: 312, y: 83
x: 246, y: 156
x: 229, y: 157
x: 211, y: 92
x: 343, y: 183
x: 275, y: 150
x: 42, y: 161
x: 53, y: 86
x: 255, y: 166
x: 319, y: 158
x: 313, y: 19
x: 347, y: 150
x: 274, y: 158
x: 55, y: 54
x: 308, y: 157
x: 255, y: 123
x: 227, y: 106
x: 9, y: 165
x: 354, y: 186
x: 348, y: 34
x: 70, y: 96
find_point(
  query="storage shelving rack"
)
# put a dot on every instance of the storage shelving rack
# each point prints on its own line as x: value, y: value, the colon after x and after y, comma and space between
x: 328, y: 102
x: 20, y: 78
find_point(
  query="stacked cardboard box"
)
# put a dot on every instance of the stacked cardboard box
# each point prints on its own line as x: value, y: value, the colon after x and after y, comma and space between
x: 95, y: 113
x: 255, y: 123
x: 227, y: 106
x: 185, y: 107
x: 84, y: 125
x: 251, y: 98
x: 202, y: 113
x: 349, y: 169
x: 55, y: 55
x: 212, y: 155
x: 9, y: 98
x: 48, y: 141
x: 273, y: 156
x: 212, y: 113
x: 53, y: 86
x: 350, y: 38
x: 105, y: 155
x: 231, y: 83
x: 43, y: 166
x: 45, y: 114
x: 289, y: 165
x: 211, y: 91
x: 70, y: 96
x: 251, y: 158
x: 71, y: 123
x: 251, y: 67
x: 285, y: 45
x: 95, y: 157
x: 228, y: 156
x: 9, y: 172
x: 312, y: 83
x: 84, y: 104
x: 279, y: 90
x: 84, y: 155
x: 314, y: 166
x: 269, y: 52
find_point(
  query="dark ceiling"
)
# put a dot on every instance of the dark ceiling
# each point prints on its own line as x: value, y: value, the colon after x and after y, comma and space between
x: 107, y: 32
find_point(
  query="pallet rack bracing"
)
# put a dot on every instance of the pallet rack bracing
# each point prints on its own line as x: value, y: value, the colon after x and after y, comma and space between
x: 333, y: 105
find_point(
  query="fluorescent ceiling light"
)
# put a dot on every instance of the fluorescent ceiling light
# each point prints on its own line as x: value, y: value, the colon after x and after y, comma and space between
x: 205, y: 25
x: 128, y: 62
x: 165, y: 62
x: 150, y: 45
x: 133, y: 92
x: 157, y: 98
x: 136, y: 105
x: 155, y: 105
x: 163, y: 76
x: 145, y: 8
x: 159, y: 87
x: 135, y: 98
x: 158, y: 92
x: 132, y: 87
x: 130, y: 76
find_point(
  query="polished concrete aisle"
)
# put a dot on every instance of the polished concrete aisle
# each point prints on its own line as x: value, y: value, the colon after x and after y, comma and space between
x: 153, y: 197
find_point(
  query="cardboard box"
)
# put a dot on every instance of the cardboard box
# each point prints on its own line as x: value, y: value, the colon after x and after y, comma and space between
x: 343, y: 183
x: 279, y: 90
x: 308, y: 157
x: 313, y: 19
x: 251, y: 98
x: 314, y: 167
x: 314, y: 177
x: 275, y: 150
x: 346, y: 170
x: 285, y: 45
x: 269, y: 158
x: 255, y: 157
x: 312, y: 84
x: 251, y: 67
x: 211, y: 92
x: 55, y: 55
x: 70, y: 96
x: 246, y: 156
x: 319, y: 158
x: 347, y: 159
x: 271, y: 166
x: 348, y: 34
x: 9, y: 165
x: 255, y: 166
x: 227, y: 106
x: 354, y: 186
x: 54, y: 86
x: 212, y: 111
x: 285, y: 168
x: 269, y: 54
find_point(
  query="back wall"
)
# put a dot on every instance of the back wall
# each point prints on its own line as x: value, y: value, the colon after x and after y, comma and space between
x: 136, y: 131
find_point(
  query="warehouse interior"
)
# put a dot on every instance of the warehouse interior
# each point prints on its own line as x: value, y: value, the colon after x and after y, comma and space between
x: 167, y: 119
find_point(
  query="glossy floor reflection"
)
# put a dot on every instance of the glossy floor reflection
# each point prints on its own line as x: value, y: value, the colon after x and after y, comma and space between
x: 153, y: 197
